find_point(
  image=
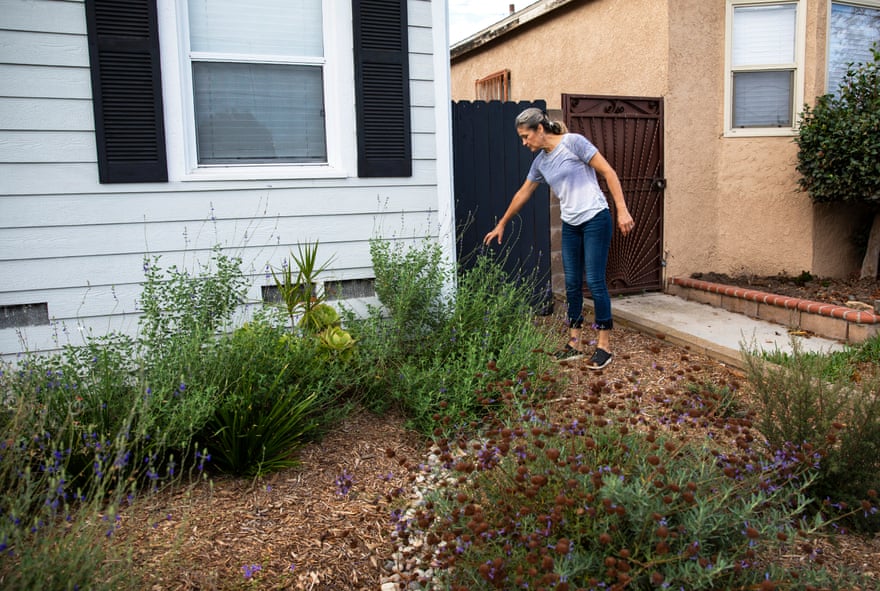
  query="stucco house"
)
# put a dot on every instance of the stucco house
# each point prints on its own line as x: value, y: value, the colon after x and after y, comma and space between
x: 725, y: 81
x: 168, y: 127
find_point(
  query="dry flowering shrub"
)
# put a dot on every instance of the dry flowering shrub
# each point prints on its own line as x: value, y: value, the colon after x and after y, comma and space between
x: 602, y: 496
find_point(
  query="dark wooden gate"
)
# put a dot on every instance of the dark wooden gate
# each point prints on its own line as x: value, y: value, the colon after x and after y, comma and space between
x: 629, y: 132
x: 489, y: 165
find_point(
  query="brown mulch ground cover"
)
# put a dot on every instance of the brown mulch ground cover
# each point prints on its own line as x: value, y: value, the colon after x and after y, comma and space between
x: 326, y: 525
x: 838, y: 291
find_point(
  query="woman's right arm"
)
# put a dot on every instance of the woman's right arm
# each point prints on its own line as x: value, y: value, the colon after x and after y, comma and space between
x: 519, y: 200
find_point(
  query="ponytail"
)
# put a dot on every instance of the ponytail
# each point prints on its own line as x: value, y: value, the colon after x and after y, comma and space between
x: 532, y: 117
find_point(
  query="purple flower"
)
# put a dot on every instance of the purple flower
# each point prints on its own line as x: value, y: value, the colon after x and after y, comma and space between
x: 250, y: 570
x: 344, y: 483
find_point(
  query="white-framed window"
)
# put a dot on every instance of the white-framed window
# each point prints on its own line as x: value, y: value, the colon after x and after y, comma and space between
x: 260, y: 89
x: 852, y: 28
x: 763, y: 87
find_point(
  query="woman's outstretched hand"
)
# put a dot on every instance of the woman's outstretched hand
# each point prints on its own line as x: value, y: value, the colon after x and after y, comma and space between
x: 496, y: 234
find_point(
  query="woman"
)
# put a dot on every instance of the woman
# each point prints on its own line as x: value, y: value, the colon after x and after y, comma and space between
x: 568, y: 162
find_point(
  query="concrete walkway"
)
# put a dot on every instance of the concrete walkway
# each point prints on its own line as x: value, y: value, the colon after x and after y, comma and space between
x: 718, y: 333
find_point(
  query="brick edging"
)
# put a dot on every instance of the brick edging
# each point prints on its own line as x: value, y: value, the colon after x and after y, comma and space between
x: 761, y: 297
x: 827, y: 320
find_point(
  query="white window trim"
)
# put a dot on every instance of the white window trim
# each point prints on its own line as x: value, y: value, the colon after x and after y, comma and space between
x: 339, y: 100
x: 797, y: 82
x: 857, y: 3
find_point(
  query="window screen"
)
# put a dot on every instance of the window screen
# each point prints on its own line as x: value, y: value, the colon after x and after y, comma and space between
x: 852, y: 31
x: 258, y: 81
x: 763, y: 65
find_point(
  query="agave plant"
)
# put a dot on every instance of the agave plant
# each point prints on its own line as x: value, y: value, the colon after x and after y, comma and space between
x: 297, y: 289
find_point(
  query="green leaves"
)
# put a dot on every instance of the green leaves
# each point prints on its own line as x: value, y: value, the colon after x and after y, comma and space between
x: 839, y: 140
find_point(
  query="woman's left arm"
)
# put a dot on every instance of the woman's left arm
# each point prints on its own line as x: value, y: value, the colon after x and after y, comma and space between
x: 624, y: 219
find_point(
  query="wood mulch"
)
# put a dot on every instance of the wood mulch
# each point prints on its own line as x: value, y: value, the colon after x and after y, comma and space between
x: 301, y: 529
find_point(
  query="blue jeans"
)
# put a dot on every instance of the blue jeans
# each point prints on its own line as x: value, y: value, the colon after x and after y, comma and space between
x: 585, y: 248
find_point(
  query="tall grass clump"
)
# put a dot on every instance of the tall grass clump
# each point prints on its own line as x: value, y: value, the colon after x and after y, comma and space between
x: 839, y: 418
x: 592, y: 494
x: 278, y: 391
x: 426, y: 349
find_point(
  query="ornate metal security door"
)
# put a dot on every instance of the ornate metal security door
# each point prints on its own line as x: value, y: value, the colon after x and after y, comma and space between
x: 629, y: 132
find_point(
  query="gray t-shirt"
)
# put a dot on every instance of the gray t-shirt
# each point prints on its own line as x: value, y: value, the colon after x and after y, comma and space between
x: 568, y: 172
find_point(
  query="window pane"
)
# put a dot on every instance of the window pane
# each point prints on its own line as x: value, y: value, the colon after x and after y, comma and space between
x: 764, y: 35
x: 762, y: 99
x: 253, y: 113
x: 257, y: 27
x: 853, y: 29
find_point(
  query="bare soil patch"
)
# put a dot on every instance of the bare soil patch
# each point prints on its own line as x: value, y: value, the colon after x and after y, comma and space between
x: 303, y: 533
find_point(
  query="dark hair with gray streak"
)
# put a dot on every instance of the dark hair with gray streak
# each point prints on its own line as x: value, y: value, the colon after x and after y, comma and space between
x: 532, y: 117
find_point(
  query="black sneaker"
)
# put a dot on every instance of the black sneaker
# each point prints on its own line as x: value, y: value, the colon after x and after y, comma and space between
x: 569, y: 353
x: 601, y: 358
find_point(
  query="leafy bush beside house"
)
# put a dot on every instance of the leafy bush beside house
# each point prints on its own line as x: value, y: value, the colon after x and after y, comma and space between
x: 839, y: 148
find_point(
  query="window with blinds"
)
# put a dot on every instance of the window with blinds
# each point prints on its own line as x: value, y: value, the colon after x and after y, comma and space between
x: 763, y: 65
x: 257, y: 81
x: 494, y: 87
x: 853, y: 29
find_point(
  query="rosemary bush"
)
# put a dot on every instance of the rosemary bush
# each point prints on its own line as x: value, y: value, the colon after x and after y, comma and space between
x: 839, y: 418
x: 426, y: 351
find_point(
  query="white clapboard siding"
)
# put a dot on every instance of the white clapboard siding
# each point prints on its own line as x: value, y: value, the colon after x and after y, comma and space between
x: 424, y: 146
x: 100, y: 300
x: 46, y: 114
x: 47, y: 146
x: 74, y: 331
x: 40, y: 82
x: 147, y: 207
x: 62, y: 332
x: 104, y: 239
x: 422, y: 120
x: 79, y: 246
x: 81, y: 302
x: 119, y: 269
x: 43, y: 179
x: 421, y: 67
x: 419, y: 15
x: 422, y: 94
x: 46, y: 49
x: 44, y: 16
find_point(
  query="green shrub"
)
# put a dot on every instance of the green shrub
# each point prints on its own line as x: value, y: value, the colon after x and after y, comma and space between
x: 839, y: 140
x: 428, y: 351
x: 839, y: 419
x: 411, y: 282
x: 274, y: 390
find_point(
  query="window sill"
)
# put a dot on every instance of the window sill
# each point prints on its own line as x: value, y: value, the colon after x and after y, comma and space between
x: 259, y: 173
x: 761, y: 132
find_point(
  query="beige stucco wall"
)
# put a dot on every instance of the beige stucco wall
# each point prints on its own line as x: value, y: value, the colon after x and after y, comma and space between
x: 732, y: 204
x: 592, y: 47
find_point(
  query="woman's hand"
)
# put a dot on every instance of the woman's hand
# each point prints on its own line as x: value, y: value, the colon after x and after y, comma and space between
x: 496, y: 234
x: 625, y: 222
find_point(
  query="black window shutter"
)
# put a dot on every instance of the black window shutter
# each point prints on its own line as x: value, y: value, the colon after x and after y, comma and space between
x: 381, y: 55
x: 127, y: 90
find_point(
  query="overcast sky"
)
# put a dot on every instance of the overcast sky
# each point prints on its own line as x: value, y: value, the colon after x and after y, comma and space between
x: 466, y: 17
